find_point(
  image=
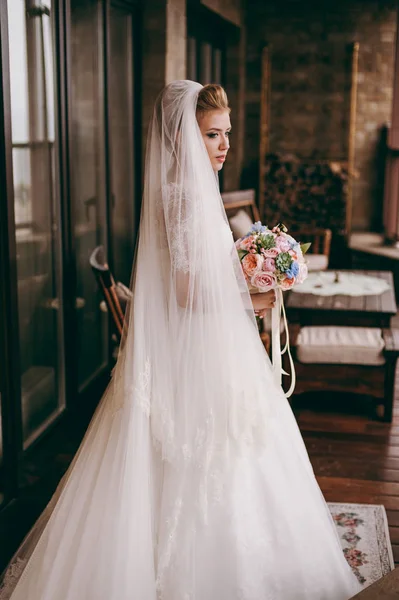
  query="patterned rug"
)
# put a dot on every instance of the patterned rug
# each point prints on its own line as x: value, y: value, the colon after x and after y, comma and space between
x: 364, y: 534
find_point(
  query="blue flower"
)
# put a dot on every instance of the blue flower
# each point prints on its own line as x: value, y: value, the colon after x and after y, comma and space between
x: 295, y: 246
x: 293, y: 270
x: 258, y: 228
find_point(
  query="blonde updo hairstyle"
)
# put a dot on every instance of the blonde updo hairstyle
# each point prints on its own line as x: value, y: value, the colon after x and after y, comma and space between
x: 211, y: 97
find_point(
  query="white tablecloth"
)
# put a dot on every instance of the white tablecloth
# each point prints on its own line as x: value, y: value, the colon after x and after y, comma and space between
x: 331, y: 283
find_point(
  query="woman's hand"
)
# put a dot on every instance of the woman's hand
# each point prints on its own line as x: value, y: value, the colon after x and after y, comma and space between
x: 263, y: 302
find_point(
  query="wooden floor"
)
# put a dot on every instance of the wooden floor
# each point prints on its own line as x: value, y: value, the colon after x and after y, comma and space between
x: 355, y: 458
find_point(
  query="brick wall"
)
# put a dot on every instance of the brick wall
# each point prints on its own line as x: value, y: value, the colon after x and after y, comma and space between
x: 310, y: 82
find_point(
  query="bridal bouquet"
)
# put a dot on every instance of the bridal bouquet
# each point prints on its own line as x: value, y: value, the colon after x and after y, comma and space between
x: 270, y: 258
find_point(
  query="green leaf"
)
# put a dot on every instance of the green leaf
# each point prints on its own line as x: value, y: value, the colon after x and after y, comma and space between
x: 242, y: 253
x: 305, y: 247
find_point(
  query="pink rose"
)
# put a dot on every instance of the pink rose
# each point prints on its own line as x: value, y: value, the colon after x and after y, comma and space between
x: 287, y: 284
x: 263, y: 281
x: 252, y: 263
x: 246, y: 243
x: 303, y: 272
x: 283, y: 244
x: 269, y: 265
x: 272, y: 252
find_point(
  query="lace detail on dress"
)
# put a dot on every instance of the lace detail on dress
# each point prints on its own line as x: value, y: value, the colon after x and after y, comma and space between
x: 138, y: 393
x: 178, y: 249
x: 180, y: 226
x: 11, y: 578
x: 169, y: 546
x: 142, y: 389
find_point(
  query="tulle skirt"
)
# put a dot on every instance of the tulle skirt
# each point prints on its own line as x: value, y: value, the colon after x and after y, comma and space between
x: 247, y: 523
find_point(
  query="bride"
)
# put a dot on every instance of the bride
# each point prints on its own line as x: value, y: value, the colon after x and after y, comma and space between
x: 192, y: 482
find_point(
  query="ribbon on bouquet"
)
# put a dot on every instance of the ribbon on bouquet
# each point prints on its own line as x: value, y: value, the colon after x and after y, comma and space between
x: 278, y: 371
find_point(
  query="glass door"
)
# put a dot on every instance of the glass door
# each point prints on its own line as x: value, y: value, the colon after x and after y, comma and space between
x: 3, y: 481
x: 123, y: 139
x: 70, y: 177
x: 10, y: 411
x: 70, y: 147
x: 36, y: 225
x: 88, y: 182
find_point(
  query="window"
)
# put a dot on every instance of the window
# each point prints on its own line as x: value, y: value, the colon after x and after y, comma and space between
x: 32, y: 119
x: 70, y: 182
x: 88, y: 182
x: 206, y: 53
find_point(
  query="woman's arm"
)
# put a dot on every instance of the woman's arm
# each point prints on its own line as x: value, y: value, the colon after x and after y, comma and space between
x: 263, y: 302
x: 182, y: 287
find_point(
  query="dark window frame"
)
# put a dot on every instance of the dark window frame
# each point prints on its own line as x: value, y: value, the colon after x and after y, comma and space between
x: 13, y: 504
x: 205, y: 26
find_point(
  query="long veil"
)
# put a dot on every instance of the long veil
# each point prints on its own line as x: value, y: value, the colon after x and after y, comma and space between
x: 180, y: 352
x: 189, y: 390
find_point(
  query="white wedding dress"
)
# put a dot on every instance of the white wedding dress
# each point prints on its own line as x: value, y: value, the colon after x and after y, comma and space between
x: 193, y: 481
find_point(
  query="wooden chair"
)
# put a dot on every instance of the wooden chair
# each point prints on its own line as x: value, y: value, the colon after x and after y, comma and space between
x: 244, y: 199
x: 320, y: 239
x: 108, y: 287
x: 319, y: 252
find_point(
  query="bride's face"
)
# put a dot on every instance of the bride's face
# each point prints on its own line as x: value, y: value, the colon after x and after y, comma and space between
x: 215, y: 128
